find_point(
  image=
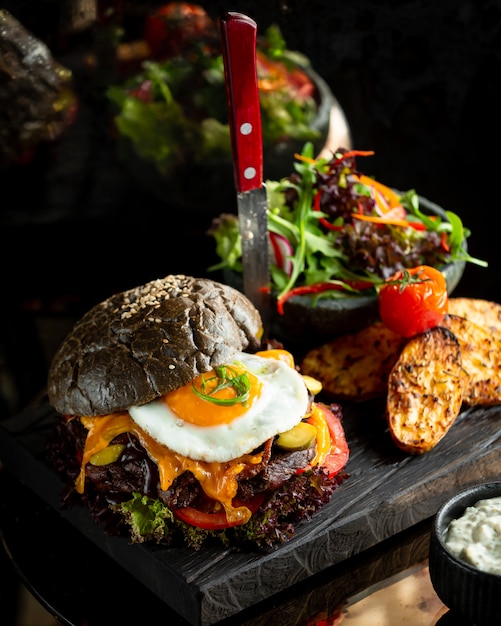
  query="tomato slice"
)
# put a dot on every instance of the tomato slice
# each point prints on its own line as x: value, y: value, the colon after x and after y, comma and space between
x: 338, y: 455
x: 215, y: 520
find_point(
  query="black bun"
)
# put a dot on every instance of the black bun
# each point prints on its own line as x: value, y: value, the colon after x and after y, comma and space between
x: 142, y: 343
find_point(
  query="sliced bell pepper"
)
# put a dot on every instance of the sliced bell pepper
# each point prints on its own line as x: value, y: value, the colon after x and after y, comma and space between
x: 358, y: 285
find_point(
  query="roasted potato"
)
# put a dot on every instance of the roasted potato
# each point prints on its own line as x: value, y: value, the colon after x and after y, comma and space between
x: 426, y: 379
x: 355, y: 366
x: 424, y: 390
x: 481, y: 312
x: 481, y: 358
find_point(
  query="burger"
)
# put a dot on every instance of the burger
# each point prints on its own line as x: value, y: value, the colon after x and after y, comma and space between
x: 177, y: 423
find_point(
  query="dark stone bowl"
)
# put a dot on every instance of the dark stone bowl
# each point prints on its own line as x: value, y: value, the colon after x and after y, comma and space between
x: 468, y: 592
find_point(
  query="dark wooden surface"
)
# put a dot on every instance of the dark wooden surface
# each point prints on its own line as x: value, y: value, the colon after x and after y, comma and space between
x: 387, y: 492
x: 83, y: 578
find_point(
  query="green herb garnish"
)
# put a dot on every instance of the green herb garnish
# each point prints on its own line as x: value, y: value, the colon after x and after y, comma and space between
x: 225, y: 377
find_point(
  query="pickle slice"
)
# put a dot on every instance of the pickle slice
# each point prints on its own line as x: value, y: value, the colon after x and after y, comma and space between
x: 300, y: 437
x: 107, y: 455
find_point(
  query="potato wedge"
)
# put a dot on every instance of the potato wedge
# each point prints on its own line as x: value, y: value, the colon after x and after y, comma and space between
x: 481, y: 358
x: 424, y: 391
x: 482, y: 312
x: 355, y: 366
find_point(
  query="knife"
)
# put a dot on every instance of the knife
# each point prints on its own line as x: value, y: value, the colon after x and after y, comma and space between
x: 238, y: 35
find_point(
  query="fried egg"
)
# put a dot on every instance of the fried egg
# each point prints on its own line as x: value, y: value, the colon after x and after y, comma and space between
x: 206, y: 424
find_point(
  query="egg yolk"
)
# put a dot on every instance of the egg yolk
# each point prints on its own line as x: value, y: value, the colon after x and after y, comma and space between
x: 223, y: 396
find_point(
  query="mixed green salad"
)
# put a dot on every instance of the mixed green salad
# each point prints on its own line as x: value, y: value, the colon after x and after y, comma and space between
x: 334, y: 231
x: 173, y: 113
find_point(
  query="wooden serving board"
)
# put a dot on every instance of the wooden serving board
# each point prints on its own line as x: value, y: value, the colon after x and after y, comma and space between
x: 387, y: 492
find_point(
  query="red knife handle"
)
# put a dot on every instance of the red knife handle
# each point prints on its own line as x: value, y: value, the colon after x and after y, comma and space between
x: 238, y: 35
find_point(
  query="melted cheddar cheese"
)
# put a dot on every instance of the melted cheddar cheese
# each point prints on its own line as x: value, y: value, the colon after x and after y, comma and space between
x: 218, y: 480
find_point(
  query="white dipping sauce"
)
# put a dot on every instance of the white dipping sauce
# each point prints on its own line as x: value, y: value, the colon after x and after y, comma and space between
x: 475, y: 537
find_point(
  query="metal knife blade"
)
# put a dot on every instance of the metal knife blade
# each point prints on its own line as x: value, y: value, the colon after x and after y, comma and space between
x: 238, y: 35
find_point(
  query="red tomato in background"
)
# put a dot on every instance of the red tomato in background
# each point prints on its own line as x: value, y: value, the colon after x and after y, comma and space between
x: 416, y: 302
x: 176, y: 26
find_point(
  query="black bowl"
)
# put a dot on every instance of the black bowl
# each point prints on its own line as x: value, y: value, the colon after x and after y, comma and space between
x: 473, y: 594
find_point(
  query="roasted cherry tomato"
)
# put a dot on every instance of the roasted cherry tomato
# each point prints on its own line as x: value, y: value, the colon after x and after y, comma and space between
x: 413, y: 300
x: 203, y: 517
x: 337, y: 457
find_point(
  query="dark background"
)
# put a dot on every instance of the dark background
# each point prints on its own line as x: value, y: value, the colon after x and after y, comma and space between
x: 418, y: 82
